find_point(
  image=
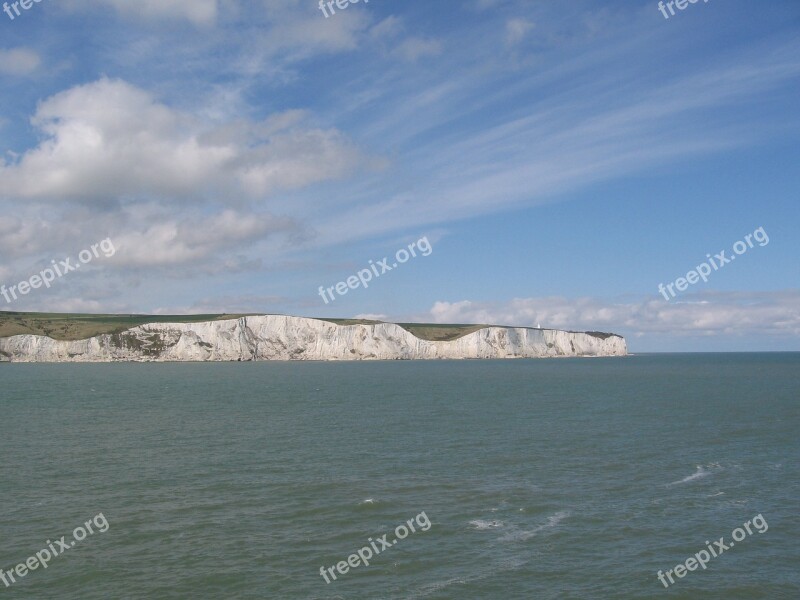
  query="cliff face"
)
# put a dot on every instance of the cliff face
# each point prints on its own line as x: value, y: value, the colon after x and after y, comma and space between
x: 296, y: 338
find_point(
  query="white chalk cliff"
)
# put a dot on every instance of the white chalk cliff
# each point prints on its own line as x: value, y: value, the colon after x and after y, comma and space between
x: 277, y: 337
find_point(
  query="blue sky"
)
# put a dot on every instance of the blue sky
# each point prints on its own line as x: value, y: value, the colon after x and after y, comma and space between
x: 563, y: 160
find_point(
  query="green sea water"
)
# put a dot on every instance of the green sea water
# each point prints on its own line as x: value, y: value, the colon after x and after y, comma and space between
x: 559, y: 478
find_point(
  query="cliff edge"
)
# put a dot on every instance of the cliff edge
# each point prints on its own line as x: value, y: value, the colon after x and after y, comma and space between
x: 277, y: 337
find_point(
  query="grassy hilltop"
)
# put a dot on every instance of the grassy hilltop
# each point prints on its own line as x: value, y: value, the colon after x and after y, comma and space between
x: 69, y: 327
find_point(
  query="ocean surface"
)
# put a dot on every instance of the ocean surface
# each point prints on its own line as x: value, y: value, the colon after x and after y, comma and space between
x: 554, y: 478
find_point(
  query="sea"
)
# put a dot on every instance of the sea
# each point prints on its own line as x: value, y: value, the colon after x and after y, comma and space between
x: 516, y: 479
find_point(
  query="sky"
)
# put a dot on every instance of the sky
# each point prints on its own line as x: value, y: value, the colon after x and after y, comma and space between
x: 555, y: 164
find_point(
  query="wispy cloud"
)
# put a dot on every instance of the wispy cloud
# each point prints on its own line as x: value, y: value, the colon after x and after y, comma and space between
x: 19, y: 61
x: 517, y: 29
x: 198, y: 12
x: 237, y: 151
x: 563, y: 143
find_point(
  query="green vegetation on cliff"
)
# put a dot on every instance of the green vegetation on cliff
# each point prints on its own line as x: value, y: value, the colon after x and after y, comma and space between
x: 69, y: 327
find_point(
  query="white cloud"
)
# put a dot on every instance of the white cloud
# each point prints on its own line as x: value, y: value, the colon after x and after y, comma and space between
x: 242, y: 304
x: 19, y: 61
x: 285, y: 32
x: 560, y: 144
x: 390, y: 27
x: 20, y: 235
x: 391, y: 35
x: 372, y: 317
x: 109, y: 139
x: 706, y: 314
x: 174, y: 242
x: 516, y: 30
x: 487, y: 4
x: 199, y: 12
x: 414, y: 48
x: 74, y: 305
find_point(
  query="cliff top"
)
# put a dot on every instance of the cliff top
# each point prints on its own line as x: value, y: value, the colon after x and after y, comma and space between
x: 69, y: 326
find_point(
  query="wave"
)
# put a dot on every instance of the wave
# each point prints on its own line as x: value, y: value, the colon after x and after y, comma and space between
x: 521, y: 535
x: 481, y: 524
x: 699, y: 474
x: 485, y: 573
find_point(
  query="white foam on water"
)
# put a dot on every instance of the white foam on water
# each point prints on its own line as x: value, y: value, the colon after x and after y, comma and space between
x: 481, y: 524
x: 699, y: 474
x: 516, y: 535
x: 507, y: 565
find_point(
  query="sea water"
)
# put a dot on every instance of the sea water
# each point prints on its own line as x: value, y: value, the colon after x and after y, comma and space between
x: 552, y: 478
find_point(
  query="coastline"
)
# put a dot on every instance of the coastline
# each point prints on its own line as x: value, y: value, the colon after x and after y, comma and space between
x: 280, y: 337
